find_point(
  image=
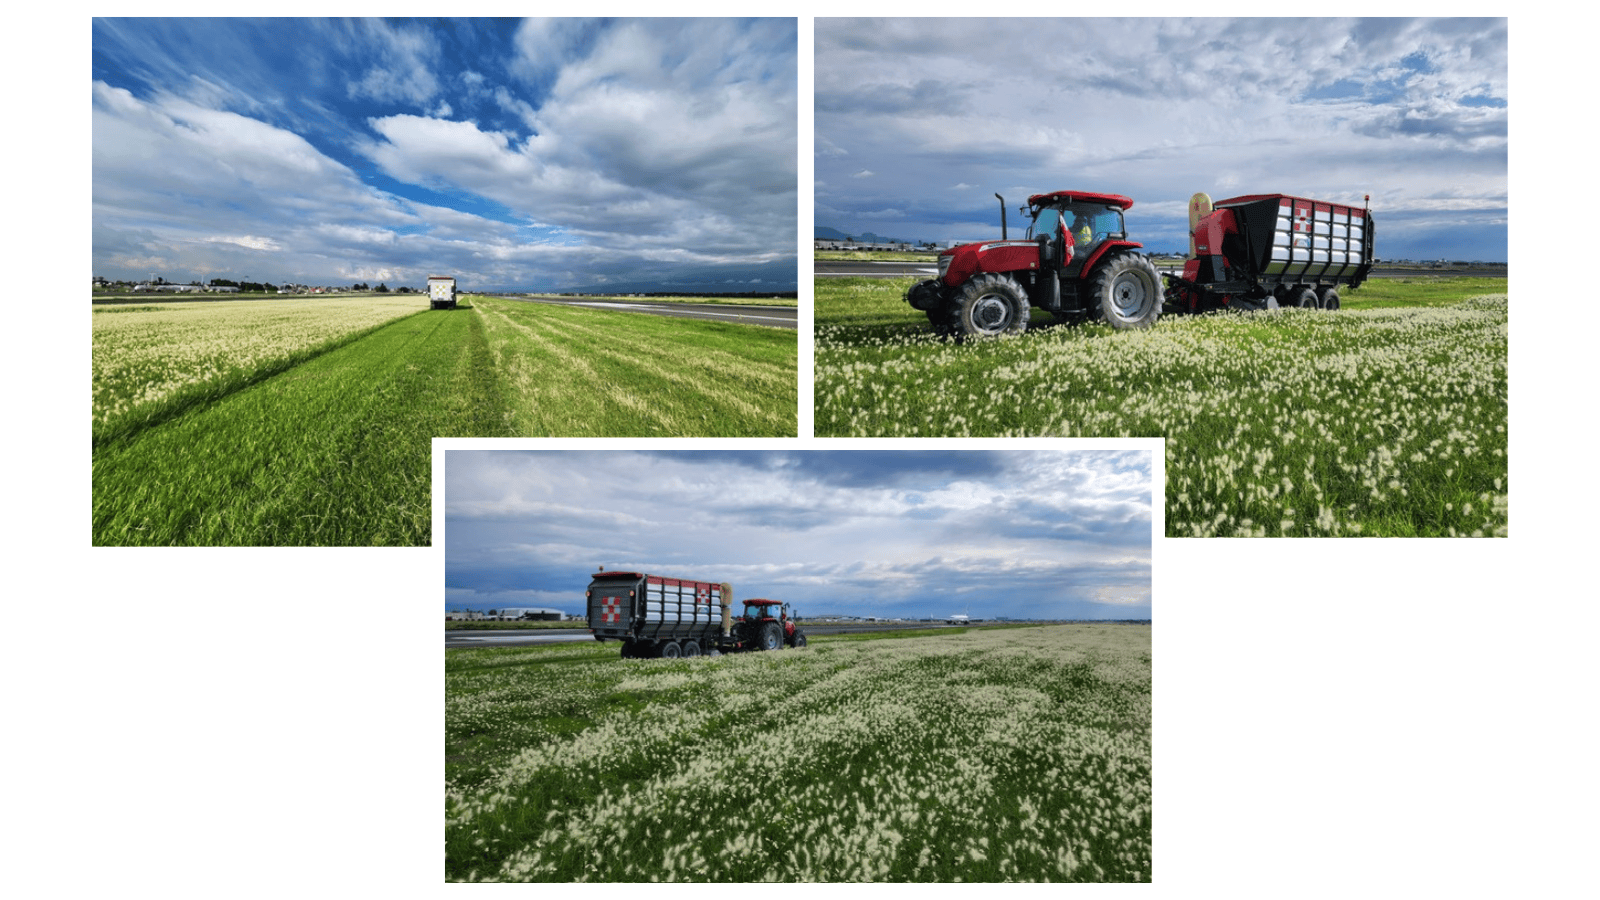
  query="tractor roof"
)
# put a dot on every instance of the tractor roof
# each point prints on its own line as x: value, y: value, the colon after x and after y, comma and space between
x: 1117, y: 200
x: 759, y: 602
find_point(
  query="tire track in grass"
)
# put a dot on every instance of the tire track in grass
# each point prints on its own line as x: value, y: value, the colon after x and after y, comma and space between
x: 338, y: 451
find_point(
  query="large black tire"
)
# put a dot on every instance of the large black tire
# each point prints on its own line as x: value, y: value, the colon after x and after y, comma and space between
x: 1302, y: 296
x: 1328, y: 298
x: 1125, y: 291
x: 670, y: 650
x: 993, y: 305
x: 691, y: 648
x: 799, y: 640
x: 770, y: 637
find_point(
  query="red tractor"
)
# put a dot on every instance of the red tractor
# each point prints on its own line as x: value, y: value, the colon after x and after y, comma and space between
x: 768, y: 625
x: 1076, y: 262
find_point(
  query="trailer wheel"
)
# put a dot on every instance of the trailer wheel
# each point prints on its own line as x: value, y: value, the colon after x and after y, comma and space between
x: 670, y: 650
x: 771, y: 636
x: 691, y: 648
x: 993, y: 305
x: 1303, y: 297
x: 1127, y: 292
x: 713, y: 652
x: 1328, y: 298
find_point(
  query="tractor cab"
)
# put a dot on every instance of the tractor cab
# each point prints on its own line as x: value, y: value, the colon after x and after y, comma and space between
x: 769, y: 624
x: 1071, y: 226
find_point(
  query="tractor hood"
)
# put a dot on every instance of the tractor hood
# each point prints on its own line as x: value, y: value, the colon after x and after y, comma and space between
x: 963, y: 261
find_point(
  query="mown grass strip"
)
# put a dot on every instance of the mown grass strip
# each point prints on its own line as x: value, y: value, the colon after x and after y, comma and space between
x: 336, y: 451
x: 151, y: 363
x: 580, y: 372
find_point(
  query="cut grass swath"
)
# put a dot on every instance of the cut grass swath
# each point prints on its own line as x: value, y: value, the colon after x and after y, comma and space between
x: 579, y: 372
x: 336, y: 451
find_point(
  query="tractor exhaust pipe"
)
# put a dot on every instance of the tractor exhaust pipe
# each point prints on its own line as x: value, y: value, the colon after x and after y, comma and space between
x: 1002, y: 216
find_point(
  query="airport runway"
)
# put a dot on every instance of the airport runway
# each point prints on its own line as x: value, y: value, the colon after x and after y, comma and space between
x: 771, y: 316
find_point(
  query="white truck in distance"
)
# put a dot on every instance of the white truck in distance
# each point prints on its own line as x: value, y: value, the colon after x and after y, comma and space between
x: 441, y: 292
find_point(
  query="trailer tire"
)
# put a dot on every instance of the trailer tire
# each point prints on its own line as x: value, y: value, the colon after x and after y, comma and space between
x: 691, y: 648
x: 1303, y: 297
x: 1126, y: 292
x: 993, y: 305
x: 713, y: 652
x: 670, y: 650
x: 770, y: 637
x: 1328, y: 298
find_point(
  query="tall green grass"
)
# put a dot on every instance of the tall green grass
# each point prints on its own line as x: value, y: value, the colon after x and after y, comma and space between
x: 581, y: 372
x: 336, y: 451
x: 303, y: 422
x: 993, y: 755
x: 1385, y: 418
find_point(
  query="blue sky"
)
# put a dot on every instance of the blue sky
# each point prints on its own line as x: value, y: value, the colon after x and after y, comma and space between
x: 1025, y: 533
x: 919, y: 122
x: 536, y: 154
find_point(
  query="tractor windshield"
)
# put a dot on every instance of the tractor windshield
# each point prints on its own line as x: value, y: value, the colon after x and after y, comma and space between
x: 753, y: 611
x: 1088, y: 223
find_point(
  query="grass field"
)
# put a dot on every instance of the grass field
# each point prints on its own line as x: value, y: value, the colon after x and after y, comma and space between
x: 1004, y: 755
x: 662, y: 377
x: 309, y: 421
x: 1385, y: 418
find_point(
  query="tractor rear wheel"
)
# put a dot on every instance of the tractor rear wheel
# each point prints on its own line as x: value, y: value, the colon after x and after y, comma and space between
x: 993, y: 305
x: 770, y: 636
x: 1126, y: 291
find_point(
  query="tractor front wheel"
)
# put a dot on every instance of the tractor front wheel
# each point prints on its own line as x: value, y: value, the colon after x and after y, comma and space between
x: 993, y: 305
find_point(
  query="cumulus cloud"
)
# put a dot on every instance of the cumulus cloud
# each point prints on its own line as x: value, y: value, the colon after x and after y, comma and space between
x: 907, y: 531
x: 554, y: 153
x: 1162, y: 108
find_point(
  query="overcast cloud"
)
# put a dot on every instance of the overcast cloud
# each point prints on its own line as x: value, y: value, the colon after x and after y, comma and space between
x: 919, y: 122
x: 1019, y: 533
x: 540, y: 154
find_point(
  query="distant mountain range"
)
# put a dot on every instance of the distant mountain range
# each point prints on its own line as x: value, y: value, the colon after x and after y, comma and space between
x: 824, y: 233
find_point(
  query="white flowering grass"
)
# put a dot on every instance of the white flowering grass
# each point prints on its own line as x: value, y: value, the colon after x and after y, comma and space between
x: 1384, y: 421
x: 149, y: 360
x: 991, y: 755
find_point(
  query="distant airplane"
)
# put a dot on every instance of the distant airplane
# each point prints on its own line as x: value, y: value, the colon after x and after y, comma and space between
x: 958, y: 619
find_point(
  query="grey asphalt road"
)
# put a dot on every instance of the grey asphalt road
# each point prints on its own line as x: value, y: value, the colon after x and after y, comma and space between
x: 771, y: 316
x: 834, y: 268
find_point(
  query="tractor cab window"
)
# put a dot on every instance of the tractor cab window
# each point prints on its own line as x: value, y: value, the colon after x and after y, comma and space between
x: 1045, y: 223
x: 1089, y: 224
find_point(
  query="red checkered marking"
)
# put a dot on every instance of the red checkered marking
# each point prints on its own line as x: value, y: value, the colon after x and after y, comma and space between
x: 610, y: 609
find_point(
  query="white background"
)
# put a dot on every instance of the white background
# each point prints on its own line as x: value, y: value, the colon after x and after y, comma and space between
x: 1389, y: 716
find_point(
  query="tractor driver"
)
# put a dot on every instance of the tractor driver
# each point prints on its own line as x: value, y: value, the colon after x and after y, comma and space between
x: 1080, y: 233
